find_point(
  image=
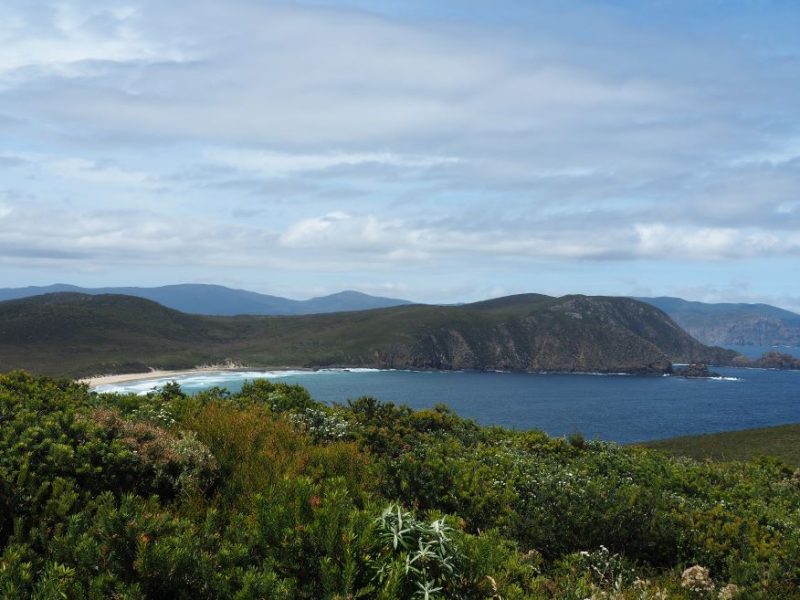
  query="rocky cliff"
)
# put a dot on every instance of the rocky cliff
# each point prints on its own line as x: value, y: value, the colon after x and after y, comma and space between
x: 733, y: 324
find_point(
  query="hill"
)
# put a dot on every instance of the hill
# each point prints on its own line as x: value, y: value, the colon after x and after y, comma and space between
x: 203, y: 299
x: 80, y: 334
x: 732, y: 324
x: 782, y: 442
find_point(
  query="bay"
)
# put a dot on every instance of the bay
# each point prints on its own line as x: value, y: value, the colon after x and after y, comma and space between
x: 608, y: 407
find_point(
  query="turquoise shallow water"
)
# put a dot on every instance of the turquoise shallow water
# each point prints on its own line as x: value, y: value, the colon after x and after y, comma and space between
x: 609, y: 407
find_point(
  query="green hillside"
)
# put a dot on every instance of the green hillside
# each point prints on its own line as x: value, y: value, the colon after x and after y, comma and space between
x: 782, y: 442
x: 77, y: 334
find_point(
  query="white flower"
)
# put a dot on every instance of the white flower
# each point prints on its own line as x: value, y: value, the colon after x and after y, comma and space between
x: 697, y: 579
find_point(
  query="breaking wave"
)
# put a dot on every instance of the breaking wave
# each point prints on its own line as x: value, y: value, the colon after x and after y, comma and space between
x: 212, y: 378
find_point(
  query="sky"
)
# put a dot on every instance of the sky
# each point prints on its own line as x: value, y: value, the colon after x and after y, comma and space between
x: 441, y: 151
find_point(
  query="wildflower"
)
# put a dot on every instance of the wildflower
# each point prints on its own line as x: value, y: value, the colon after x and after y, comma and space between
x: 697, y: 579
x: 729, y: 592
x: 796, y: 477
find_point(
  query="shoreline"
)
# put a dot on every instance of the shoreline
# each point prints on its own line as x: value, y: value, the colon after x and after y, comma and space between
x: 110, y: 379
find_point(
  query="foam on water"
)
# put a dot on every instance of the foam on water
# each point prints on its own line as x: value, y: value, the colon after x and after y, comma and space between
x: 212, y: 378
x: 222, y: 378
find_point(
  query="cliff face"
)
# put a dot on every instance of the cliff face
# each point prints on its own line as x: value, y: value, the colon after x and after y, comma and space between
x: 78, y: 334
x: 570, y: 334
x: 733, y: 324
x: 748, y: 330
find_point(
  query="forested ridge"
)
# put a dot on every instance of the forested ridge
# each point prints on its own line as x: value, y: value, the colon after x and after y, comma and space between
x: 266, y: 493
x: 80, y: 335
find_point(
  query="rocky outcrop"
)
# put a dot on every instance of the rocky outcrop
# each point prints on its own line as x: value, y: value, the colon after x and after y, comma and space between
x: 536, y: 334
x: 777, y: 360
x: 694, y: 371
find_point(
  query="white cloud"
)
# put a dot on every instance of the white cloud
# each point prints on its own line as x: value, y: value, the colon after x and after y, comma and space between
x: 281, y: 163
x: 393, y: 240
x: 95, y: 173
x: 40, y: 236
x: 74, y: 35
x: 711, y: 243
x: 269, y: 74
x: 339, y: 230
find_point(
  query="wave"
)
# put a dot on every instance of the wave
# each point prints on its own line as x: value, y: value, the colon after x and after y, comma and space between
x: 582, y: 373
x: 715, y: 378
x: 212, y: 378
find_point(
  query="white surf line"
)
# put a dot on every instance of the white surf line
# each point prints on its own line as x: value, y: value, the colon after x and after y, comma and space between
x: 143, y: 383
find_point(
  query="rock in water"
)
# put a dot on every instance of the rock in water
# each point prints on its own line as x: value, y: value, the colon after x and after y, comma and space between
x: 694, y: 371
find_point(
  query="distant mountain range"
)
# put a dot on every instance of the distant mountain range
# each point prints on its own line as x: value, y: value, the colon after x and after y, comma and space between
x: 727, y: 324
x: 80, y: 334
x: 203, y: 299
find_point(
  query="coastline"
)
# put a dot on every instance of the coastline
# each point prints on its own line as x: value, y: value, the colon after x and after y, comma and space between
x: 96, y: 380
x: 110, y: 379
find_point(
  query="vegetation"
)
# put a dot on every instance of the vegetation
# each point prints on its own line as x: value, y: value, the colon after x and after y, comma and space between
x: 733, y: 324
x: 781, y: 442
x: 80, y: 335
x: 776, y: 360
x: 268, y: 494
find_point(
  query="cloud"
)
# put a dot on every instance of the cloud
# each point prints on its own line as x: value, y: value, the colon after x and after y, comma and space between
x: 96, y: 173
x: 399, y: 240
x: 350, y: 136
x: 64, y: 38
x: 306, y: 76
x: 271, y: 164
x: 39, y: 236
x: 706, y: 243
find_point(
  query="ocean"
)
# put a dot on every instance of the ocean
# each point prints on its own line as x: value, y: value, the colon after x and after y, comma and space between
x: 616, y: 408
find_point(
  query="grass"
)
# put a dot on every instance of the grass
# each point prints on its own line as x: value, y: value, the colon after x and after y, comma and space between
x: 782, y: 442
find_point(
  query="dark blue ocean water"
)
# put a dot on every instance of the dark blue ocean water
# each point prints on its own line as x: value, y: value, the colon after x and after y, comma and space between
x: 617, y: 408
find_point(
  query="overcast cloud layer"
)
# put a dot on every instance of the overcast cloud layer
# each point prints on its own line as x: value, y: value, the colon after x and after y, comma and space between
x: 443, y: 153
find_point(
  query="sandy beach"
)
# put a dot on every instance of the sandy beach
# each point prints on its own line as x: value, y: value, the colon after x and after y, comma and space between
x: 154, y: 374
x: 110, y: 379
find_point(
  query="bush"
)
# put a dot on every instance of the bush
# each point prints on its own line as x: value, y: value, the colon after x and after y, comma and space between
x: 266, y: 493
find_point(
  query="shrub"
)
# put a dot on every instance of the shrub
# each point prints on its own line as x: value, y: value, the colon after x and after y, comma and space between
x: 255, y: 450
x: 168, y: 464
x: 266, y: 493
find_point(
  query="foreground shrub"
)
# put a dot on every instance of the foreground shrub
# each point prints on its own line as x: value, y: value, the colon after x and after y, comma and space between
x: 169, y: 464
x: 255, y: 450
x: 268, y: 494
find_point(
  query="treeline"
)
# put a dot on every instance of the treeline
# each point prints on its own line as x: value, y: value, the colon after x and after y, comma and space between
x: 268, y: 494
